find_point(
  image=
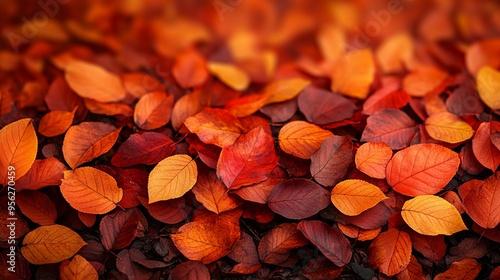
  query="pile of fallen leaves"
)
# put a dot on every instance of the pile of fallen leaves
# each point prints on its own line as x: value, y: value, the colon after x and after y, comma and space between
x: 250, y: 139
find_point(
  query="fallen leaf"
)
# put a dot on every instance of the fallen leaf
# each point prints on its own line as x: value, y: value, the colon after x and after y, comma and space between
x: 43, y: 173
x: 467, y: 269
x: 231, y: 75
x: 372, y: 159
x: 189, y: 270
x: 482, y: 202
x: 37, y: 207
x: 146, y: 148
x: 483, y: 148
x: 354, y: 73
x: 212, y: 193
x: 301, y: 139
x: 285, y: 89
x: 448, y: 128
x: 275, y: 245
x: 78, y: 269
x: 153, y: 110
x: 55, y: 123
x: 322, y: 107
x: 352, y: 197
x: 390, y: 252
x: 423, y: 80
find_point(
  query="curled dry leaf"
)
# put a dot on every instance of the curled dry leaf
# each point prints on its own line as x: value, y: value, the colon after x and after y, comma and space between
x: 422, y: 169
x: 390, y: 252
x: 78, y: 269
x: 432, y: 215
x: 153, y: 110
x: 92, y: 81
x: 372, y: 159
x: 329, y: 240
x: 448, y: 128
x: 301, y: 139
x: 90, y: 190
x: 298, y: 199
x: 18, y: 149
x: 51, y: 244
x: 88, y: 140
x: 352, y: 197
x: 172, y: 178
x: 249, y: 160
x: 56, y: 123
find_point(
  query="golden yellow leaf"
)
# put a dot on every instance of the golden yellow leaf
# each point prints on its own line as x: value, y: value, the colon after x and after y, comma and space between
x: 172, y: 178
x: 352, y: 197
x: 448, y: 128
x: 301, y: 139
x: 286, y: 89
x: 78, y: 269
x: 90, y: 190
x: 51, y: 244
x: 432, y: 215
x: 231, y: 75
x: 354, y: 73
x: 488, y: 85
x: 18, y: 148
x: 92, y: 81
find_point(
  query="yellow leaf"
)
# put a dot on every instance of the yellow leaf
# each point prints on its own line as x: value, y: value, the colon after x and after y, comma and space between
x: 432, y: 215
x: 92, y: 81
x: 78, y: 269
x: 51, y: 244
x: 448, y: 128
x: 18, y: 148
x: 353, y: 74
x: 172, y: 178
x: 352, y: 197
x: 302, y: 139
x: 283, y: 90
x: 488, y: 85
x: 90, y: 190
x: 231, y: 75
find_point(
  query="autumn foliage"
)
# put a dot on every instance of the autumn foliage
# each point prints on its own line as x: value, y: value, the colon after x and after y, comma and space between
x: 250, y: 140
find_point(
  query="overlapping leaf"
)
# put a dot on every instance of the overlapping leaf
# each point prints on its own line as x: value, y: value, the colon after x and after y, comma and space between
x: 301, y: 139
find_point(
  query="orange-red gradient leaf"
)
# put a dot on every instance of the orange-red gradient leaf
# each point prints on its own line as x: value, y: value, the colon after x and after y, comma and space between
x: 301, y: 139
x: 90, y: 190
x: 146, y: 148
x: 51, y: 244
x: 78, y: 269
x: 329, y: 240
x: 448, y: 128
x: 88, y: 140
x: 55, y: 123
x: 249, y: 160
x: 44, y: 172
x: 275, y: 245
x: 212, y: 193
x: 483, y: 148
x: 372, y: 159
x: 93, y: 81
x: 18, y: 149
x: 482, y: 202
x: 37, y: 207
x: 172, y: 178
x: 467, y: 269
x: 352, y: 197
x: 432, y: 215
x: 390, y: 252
x: 190, y: 69
x: 298, y: 199
x: 422, y: 169
x: 153, y: 110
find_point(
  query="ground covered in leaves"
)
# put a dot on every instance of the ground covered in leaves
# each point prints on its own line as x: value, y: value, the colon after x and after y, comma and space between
x: 241, y: 139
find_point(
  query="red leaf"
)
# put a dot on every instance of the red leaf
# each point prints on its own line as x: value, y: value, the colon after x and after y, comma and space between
x: 146, y: 148
x: 323, y: 107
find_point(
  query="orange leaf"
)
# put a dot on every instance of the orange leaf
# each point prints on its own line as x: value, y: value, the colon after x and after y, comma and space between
x: 482, y: 202
x: 93, y: 81
x: 359, y: 233
x: 329, y: 240
x: 301, y: 139
x: 298, y: 199
x: 448, y: 128
x: 372, y: 159
x: 351, y: 197
x: 246, y: 105
x: 108, y: 109
x: 138, y: 84
x: 208, y: 239
x: 354, y: 73
x: 467, y: 269
x: 153, y: 110
x: 56, y: 123
x: 37, y: 207
x: 190, y: 69
x: 44, y: 172
x: 391, y: 126
x: 6, y: 101
x: 412, y: 272
x: 286, y: 89
x: 432, y: 215
x: 78, y: 269
x: 390, y: 252
x: 51, y: 244
x: 249, y: 160
x: 275, y: 245
x: 188, y: 105
x: 231, y: 75
x: 215, y: 126
x: 422, y: 169
x: 18, y: 149
x: 172, y: 178
x: 90, y: 190
x: 483, y: 53
x: 260, y: 192
x: 88, y: 140
x: 395, y: 53
x: 211, y: 192
x: 423, y: 80
x: 483, y: 148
